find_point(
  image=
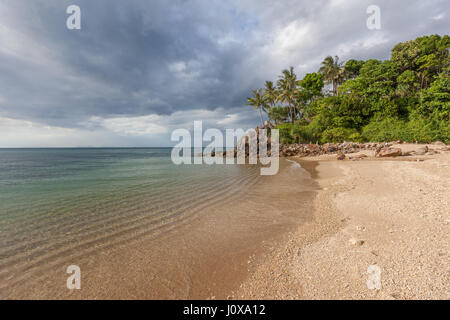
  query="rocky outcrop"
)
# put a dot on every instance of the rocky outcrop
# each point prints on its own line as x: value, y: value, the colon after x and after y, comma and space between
x: 244, y: 142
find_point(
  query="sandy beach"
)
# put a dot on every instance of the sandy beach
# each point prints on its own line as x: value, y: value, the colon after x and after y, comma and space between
x: 390, y: 213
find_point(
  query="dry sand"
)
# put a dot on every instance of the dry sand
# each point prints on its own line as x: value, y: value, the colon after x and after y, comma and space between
x: 391, y: 213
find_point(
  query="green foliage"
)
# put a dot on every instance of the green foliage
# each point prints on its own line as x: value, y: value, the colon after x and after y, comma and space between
x: 388, y: 129
x: 417, y: 129
x: 407, y: 83
x: 406, y: 97
x: 352, y: 68
x: 435, y: 100
x: 425, y: 56
x: 343, y: 111
x: 339, y: 134
x: 298, y: 133
x: 257, y: 101
x: 279, y: 114
x: 286, y: 133
x: 428, y: 130
x: 333, y: 72
x: 312, y: 85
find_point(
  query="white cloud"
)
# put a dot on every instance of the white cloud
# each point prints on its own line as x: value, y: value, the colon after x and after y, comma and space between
x: 22, y: 133
x: 135, y: 126
x: 375, y: 39
x: 296, y: 34
x: 229, y: 119
x: 439, y: 16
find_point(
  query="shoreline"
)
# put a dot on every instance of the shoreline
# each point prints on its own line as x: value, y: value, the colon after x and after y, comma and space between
x: 390, y: 213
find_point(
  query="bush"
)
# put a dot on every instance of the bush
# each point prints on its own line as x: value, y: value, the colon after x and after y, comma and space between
x: 286, y: 135
x: 340, y: 134
x: 429, y: 129
x: 417, y: 129
x: 298, y: 133
x: 388, y: 129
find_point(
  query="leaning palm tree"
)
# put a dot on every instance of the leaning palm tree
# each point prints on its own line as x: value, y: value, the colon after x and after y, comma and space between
x: 258, y: 102
x: 287, y: 84
x: 333, y: 72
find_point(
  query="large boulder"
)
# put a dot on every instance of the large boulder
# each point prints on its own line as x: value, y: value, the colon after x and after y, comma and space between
x: 439, y: 143
x: 389, y: 152
x: 420, y: 151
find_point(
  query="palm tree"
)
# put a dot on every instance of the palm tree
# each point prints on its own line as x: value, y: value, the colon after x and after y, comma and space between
x: 270, y: 93
x: 258, y: 102
x: 287, y: 84
x: 333, y: 72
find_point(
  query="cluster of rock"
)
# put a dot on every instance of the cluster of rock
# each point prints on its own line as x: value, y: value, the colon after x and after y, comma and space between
x: 381, y: 150
x: 304, y: 150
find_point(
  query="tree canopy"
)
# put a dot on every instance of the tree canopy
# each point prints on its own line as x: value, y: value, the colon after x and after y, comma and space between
x: 404, y: 98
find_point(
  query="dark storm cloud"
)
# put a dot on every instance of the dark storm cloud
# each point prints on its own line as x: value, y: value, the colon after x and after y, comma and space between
x: 133, y: 57
x: 137, y: 58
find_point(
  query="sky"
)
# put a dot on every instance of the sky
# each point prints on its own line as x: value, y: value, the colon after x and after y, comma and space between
x: 139, y: 69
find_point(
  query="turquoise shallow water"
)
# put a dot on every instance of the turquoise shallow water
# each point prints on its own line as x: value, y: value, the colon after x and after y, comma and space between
x: 54, y: 202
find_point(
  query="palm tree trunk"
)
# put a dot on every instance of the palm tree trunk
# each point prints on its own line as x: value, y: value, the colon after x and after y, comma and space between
x: 260, y: 114
x: 291, y: 112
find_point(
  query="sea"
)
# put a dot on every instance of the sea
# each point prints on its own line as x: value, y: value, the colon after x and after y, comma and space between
x: 114, y: 209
